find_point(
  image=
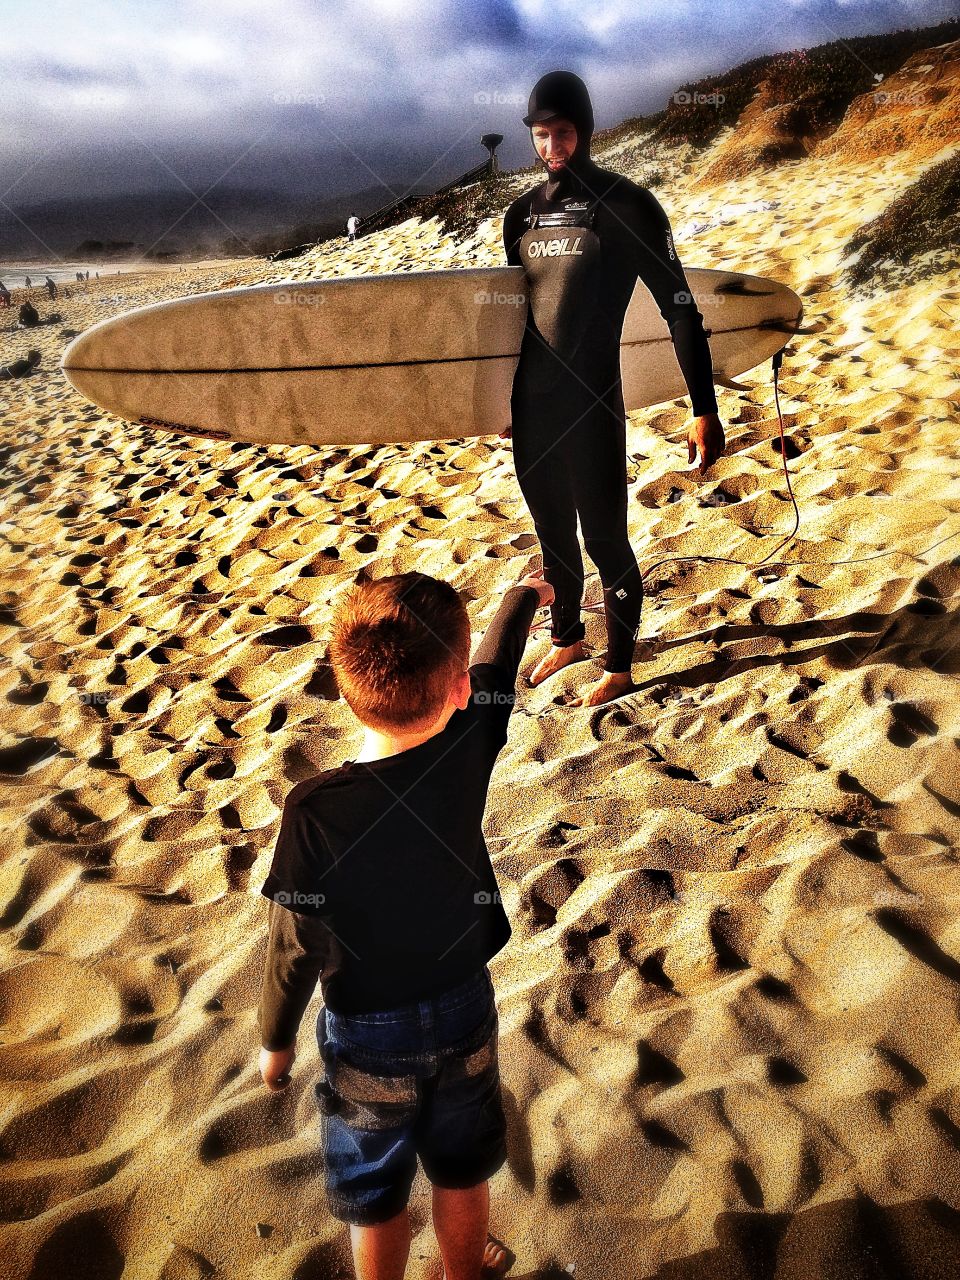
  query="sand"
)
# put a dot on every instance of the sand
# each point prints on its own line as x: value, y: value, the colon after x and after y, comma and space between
x: 729, y: 1009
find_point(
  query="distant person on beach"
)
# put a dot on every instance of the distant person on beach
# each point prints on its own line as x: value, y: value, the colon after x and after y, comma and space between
x: 353, y: 222
x: 396, y: 908
x: 51, y: 287
x: 26, y: 281
x: 20, y: 368
x: 4, y: 295
x: 28, y: 315
x: 584, y: 236
x: 88, y: 275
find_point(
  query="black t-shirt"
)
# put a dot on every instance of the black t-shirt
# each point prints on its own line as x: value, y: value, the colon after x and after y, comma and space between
x: 381, y: 882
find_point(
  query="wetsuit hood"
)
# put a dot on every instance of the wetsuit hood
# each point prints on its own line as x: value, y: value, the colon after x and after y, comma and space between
x: 563, y: 94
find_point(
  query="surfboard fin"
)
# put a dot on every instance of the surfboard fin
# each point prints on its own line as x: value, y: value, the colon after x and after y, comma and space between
x: 721, y: 381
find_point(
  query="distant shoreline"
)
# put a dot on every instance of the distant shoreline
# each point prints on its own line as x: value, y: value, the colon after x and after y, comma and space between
x: 13, y: 272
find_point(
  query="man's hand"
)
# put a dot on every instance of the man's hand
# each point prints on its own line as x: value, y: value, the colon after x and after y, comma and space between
x: 706, y: 432
x: 543, y: 588
x: 275, y: 1067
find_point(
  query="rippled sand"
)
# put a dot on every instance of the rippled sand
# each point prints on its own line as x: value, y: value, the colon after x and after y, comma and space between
x: 729, y: 1007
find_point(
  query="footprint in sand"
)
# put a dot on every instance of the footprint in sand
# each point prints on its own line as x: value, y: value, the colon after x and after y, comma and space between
x: 137, y: 1027
x: 562, y: 1187
x: 576, y: 947
x: 783, y: 1072
x: 83, y: 1247
x: 909, y: 723
x: 911, y: 1075
x: 548, y: 889
x: 28, y: 695
x: 655, y: 1068
x: 26, y: 755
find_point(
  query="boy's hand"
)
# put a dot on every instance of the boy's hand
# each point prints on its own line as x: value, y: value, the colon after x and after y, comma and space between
x: 543, y: 588
x: 506, y: 433
x: 275, y: 1067
x: 707, y: 432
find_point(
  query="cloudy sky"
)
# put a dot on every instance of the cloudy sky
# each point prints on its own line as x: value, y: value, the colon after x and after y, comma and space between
x: 136, y: 95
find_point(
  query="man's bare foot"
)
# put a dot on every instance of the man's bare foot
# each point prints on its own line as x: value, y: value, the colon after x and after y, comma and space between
x: 558, y: 657
x: 612, y: 684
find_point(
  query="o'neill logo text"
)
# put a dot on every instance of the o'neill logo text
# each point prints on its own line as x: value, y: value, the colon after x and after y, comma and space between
x: 562, y: 247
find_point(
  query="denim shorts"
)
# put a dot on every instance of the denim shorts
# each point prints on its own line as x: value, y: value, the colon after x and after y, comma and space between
x: 419, y: 1080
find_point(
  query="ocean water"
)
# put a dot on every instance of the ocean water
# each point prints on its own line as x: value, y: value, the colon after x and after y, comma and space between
x: 12, y: 273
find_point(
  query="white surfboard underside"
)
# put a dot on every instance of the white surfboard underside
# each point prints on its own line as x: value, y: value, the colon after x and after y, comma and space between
x: 379, y: 359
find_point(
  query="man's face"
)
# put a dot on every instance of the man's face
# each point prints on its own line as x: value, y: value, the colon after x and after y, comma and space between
x: 554, y: 142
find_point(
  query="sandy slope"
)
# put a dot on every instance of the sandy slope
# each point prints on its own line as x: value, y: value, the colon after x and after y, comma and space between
x: 729, y: 1010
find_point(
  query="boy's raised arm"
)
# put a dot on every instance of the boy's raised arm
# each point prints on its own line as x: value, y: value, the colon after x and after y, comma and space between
x: 505, y: 638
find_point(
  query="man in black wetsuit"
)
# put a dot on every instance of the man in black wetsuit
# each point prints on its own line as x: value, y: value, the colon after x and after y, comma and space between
x: 584, y: 237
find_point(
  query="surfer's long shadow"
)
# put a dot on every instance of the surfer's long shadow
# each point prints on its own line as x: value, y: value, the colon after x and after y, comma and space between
x: 919, y: 634
x: 853, y: 1237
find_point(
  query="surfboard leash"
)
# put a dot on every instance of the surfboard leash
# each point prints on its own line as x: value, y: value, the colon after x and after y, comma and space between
x: 597, y: 606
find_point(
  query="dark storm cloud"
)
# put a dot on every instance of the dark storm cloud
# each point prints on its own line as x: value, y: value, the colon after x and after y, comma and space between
x: 326, y: 96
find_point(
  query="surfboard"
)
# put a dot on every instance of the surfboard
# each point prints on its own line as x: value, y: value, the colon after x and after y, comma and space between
x: 382, y: 359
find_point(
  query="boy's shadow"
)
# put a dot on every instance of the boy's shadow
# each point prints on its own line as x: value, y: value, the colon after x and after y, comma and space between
x: 856, y: 1237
